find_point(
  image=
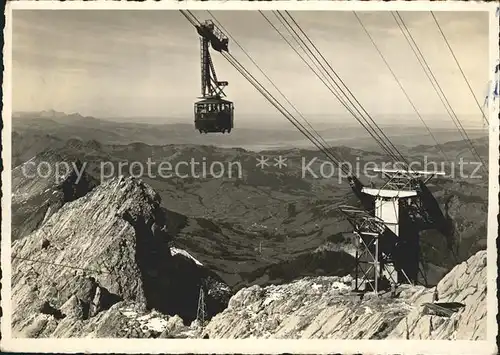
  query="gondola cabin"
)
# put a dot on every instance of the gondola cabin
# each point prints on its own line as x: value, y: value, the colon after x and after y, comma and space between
x: 213, y: 115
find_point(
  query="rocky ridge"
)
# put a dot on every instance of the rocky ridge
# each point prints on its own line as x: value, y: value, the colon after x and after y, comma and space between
x: 34, y: 200
x: 323, y: 307
x: 105, y: 249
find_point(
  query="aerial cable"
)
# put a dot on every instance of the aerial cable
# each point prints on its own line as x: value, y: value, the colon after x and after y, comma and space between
x: 282, y: 109
x: 459, y: 67
x: 426, y: 68
x: 324, y: 143
x: 322, y: 76
x: 233, y: 61
x: 400, y: 85
x: 241, y: 69
x: 374, y: 134
x: 437, y: 87
x: 190, y: 17
x: 349, y: 91
x: 329, y: 86
x: 297, y: 38
x: 60, y: 265
x: 309, y: 54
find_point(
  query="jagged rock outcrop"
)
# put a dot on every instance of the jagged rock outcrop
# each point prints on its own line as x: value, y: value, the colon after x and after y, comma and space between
x: 106, y: 247
x: 39, y: 191
x: 465, y: 284
x: 322, y: 307
x: 122, y: 320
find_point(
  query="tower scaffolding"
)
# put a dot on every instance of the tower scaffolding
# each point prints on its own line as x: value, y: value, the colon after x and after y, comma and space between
x: 386, y: 242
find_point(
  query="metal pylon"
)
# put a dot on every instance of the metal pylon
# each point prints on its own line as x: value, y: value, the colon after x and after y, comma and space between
x: 201, y: 313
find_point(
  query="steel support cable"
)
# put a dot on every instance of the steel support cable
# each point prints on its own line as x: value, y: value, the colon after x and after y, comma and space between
x: 460, y: 68
x: 348, y: 90
x: 393, y: 153
x: 315, y: 60
x: 190, y: 17
x: 60, y: 265
x: 324, y: 143
x: 368, y: 127
x: 247, y: 75
x: 456, y: 120
x: 329, y: 86
x: 426, y: 69
x: 305, y: 61
x: 400, y: 85
x: 320, y: 74
x: 280, y: 107
x: 323, y: 78
x: 273, y: 100
x: 437, y: 88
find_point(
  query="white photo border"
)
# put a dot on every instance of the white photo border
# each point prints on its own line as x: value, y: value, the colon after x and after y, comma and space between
x: 251, y: 345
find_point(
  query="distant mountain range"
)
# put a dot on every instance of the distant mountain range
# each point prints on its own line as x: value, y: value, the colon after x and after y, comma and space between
x: 260, y: 137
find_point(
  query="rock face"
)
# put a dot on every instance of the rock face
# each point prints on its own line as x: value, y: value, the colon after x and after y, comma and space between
x: 107, y: 247
x: 321, y: 307
x: 36, y: 198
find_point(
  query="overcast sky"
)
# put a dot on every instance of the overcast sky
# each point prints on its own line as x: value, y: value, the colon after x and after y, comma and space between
x: 146, y: 63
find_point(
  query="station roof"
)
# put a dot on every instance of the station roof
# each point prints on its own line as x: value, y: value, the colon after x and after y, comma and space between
x: 389, y: 193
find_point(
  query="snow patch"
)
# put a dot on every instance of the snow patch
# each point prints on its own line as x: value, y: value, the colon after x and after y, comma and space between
x: 174, y: 251
x: 316, y: 287
x: 340, y: 286
x: 128, y: 313
x: 157, y: 324
x: 275, y: 296
x: 151, y: 322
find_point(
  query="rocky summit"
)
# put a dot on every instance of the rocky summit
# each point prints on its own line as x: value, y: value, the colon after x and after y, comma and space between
x: 324, y: 307
x: 103, y: 264
x: 106, y: 249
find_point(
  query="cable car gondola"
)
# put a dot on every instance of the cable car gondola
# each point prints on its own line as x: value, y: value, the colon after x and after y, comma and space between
x: 212, y: 114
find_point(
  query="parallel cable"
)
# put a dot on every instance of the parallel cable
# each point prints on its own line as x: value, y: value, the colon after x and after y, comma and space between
x: 247, y: 75
x: 330, y: 87
x: 240, y: 68
x: 194, y: 21
x: 60, y: 265
x: 387, y: 141
x: 437, y: 87
x: 460, y: 68
x: 401, y: 86
x: 426, y: 68
x: 293, y: 33
x: 324, y: 144
x: 323, y: 78
x: 190, y: 17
